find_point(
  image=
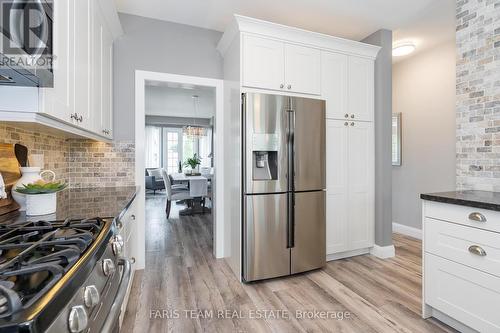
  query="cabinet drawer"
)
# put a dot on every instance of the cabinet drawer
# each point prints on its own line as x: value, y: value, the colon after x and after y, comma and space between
x: 452, y: 241
x: 463, y: 293
x: 468, y: 216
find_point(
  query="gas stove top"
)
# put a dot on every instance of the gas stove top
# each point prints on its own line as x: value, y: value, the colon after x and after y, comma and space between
x: 62, y: 276
x: 35, y: 255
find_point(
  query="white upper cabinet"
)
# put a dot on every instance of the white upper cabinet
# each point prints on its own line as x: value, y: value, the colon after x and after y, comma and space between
x: 263, y: 63
x: 361, y: 88
x: 81, y: 100
x: 334, y: 78
x: 83, y: 64
x: 302, y: 69
x: 276, y: 65
x: 59, y: 101
x: 347, y: 84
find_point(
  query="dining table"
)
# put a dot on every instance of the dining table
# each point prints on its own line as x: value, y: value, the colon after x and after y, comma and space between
x: 197, y: 191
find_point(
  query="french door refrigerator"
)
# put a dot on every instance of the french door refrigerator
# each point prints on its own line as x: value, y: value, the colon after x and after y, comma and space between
x: 283, y: 185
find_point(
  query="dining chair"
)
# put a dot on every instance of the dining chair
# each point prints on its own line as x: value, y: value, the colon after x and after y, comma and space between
x: 173, y: 195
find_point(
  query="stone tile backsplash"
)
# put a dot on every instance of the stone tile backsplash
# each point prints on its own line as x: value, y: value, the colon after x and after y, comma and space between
x: 80, y: 162
x: 100, y: 164
x: 55, y: 148
x: 478, y: 94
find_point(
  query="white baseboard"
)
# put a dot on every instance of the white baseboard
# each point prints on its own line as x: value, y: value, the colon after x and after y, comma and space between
x: 383, y: 252
x: 347, y: 254
x: 406, y: 230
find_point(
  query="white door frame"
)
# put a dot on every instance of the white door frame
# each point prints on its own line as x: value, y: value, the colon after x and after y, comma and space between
x: 141, y: 77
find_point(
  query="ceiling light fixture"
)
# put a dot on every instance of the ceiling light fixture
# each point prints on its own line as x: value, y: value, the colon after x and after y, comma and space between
x: 403, y: 49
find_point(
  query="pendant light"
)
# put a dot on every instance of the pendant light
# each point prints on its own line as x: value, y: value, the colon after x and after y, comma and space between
x: 194, y: 131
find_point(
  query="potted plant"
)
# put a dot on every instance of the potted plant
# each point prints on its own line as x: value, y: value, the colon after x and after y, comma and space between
x: 41, y: 196
x: 193, y: 162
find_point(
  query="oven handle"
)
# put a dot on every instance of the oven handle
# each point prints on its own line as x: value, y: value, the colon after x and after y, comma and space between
x: 114, y: 312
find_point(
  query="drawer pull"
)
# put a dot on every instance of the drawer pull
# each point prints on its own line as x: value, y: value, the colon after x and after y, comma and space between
x: 478, y: 217
x: 477, y: 250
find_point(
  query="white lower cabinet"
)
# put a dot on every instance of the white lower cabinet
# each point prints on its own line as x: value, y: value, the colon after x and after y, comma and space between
x: 461, y: 272
x: 349, y: 186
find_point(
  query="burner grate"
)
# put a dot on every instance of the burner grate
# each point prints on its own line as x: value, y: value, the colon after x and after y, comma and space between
x: 35, y: 255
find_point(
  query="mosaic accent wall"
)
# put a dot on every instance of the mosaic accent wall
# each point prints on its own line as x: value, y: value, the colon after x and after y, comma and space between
x: 478, y: 94
x: 80, y: 162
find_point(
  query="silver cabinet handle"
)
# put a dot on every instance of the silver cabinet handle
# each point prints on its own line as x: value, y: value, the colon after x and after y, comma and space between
x: 352, y: 123
x: 477, y: 250
x: 282, y: 86
x: 346, y: 124
x: 80, y: 119
x: 478, y: 217
x: 132, y: 217
x: 346, y: 115
x: 289, y: 86
x: 352, y: 116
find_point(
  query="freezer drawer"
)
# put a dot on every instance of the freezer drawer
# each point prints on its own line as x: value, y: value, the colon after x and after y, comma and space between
x: 309, y: 250
x: 265, y: 252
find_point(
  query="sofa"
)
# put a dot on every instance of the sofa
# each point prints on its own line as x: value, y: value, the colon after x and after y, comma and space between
x: 154, y: 180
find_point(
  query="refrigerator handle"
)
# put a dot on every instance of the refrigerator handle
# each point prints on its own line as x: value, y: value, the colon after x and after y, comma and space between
x: 291, y: 220
x: 291, y: 179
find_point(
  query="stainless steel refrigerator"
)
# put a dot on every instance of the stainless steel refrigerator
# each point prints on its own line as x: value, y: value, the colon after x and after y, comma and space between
x: 283, y: 185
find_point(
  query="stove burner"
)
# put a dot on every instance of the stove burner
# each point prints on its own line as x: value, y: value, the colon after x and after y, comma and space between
x: 35, y: 255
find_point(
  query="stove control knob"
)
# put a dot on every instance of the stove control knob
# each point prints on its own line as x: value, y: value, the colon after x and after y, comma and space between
x: 91, y: 296
x: 78, y: 319
x: 108, y: 267
x: 117, y: 244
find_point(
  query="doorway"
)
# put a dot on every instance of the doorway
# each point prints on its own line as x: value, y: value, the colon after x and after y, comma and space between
x: 175, y: 143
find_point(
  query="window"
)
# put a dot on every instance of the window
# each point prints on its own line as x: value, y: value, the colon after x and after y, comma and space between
x: 166, y: 147
x: 173, y: 148
x: 153, y: 147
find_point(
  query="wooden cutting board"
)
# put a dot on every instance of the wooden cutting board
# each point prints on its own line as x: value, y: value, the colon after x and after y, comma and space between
x: 9, y: 168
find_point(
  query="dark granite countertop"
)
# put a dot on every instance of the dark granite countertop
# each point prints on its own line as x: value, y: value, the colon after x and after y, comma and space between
x: 104, y: 202
x: 471, y: 198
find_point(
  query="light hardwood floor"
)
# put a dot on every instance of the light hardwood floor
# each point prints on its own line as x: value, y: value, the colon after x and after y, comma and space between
x: 182, y: 274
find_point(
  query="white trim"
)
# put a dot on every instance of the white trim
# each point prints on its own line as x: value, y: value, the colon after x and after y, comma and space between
x: 141, y: 77
x: 244, y: 24
x: 406, y: 230
x: 347, y: 254
x: 383, y: 252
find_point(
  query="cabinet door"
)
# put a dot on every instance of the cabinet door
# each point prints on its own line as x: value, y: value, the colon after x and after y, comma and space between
x: 302, y: 69
x: 83, y: 63
x: 361, y: 88
x: 263, y: 63
x: 106, y: 116
x: 97, y: 66
x: 334, y: 86
x: 360, y: 179
x: 59, y: 100
x: 337, y: 145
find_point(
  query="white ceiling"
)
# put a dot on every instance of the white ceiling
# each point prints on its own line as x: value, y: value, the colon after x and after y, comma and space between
x: 175, y: 101
x: 426, y: 22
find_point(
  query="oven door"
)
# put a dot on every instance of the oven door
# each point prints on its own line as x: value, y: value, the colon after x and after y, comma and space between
x: 112, y: 322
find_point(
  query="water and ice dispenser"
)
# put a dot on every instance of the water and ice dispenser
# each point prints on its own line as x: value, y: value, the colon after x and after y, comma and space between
x: 265, y: 149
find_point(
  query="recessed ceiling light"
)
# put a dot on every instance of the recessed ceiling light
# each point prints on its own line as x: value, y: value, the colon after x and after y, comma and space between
x: 403, y: 49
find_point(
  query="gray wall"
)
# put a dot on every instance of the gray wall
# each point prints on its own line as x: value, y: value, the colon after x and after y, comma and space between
x: 424, y: 92
x: 158, y: 46
x: 383, y: 116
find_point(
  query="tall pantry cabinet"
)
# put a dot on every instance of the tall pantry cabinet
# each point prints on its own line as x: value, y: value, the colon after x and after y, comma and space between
x: 264, y: 57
